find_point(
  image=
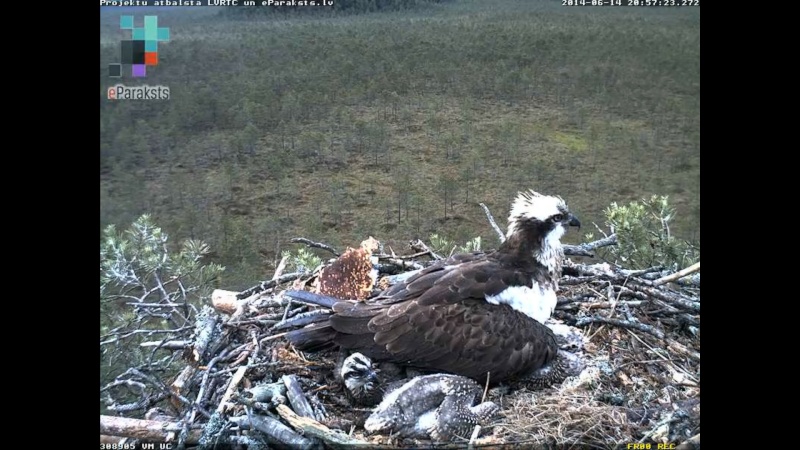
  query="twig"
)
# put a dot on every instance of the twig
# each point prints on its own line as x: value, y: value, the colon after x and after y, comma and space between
x: 263, y: 286
x: 412, y: 256
x: 168, y: 391
x: 281, y: 267
x: 496, y: 228
x: 252, y: 366
x: 677, y: 275
x: 235, y: 379
x: 167, y: 345
x: 296, y: 397
x: 605, y: 242
x: 680, y: 348
x: 402, y: 264
x: 583, y: 321
x: 673, y: 298
x: 310, y: 243
x: 148, y: 430
x: 639, y: 273
x: 276, y: 432
x: 576, y: 250
x: 311, y: 427
x: 418, y: 245
x: 668, y: 361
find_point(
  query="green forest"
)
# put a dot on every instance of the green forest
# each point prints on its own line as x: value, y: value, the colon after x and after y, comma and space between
x: 396, y: 119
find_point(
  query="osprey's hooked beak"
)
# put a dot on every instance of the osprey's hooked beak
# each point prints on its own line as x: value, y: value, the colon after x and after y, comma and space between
x: 573, y: 221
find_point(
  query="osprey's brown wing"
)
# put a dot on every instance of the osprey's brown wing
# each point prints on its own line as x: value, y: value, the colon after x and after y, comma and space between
x: 440, y: 320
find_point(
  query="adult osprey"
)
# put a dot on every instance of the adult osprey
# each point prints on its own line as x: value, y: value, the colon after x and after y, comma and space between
x: 470, y: 314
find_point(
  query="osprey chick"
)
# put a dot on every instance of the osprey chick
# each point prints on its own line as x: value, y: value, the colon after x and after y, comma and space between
x: 360, y: 379
x: 436, y: 406
x: 467, y: 315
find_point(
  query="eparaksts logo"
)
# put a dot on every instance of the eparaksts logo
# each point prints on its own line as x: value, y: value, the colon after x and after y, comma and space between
x: 143, y: 92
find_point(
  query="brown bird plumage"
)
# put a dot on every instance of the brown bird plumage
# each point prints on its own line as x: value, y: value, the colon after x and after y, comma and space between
x: 470, y: 314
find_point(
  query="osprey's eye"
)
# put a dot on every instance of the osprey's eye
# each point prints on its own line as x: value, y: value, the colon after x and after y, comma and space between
x: 558, y: 218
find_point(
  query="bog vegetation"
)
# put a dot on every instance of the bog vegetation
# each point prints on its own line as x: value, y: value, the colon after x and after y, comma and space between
x: 395, y: 122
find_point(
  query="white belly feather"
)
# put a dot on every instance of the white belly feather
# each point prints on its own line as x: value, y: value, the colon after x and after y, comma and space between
x: 536, y: 302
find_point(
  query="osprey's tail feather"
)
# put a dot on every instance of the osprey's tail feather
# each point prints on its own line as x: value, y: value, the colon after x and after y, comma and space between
x: 312, y: 298
x: 316, y: 337
x: 347, y: 328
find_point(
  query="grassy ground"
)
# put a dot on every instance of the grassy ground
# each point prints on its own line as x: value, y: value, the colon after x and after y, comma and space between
x: 398, y: 124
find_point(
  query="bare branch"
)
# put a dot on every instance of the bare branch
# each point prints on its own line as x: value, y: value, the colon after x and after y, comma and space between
x: 147, y: 430
x: 276, y: 432
x: 263, y: 286
x: 677, y: 275
x: 420, y: 246
x: 583, y: 321
x: 310, y: 243
x: 311, y: 427
x: 496, y: 228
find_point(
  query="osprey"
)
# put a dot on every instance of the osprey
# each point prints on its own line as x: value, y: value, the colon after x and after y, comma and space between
x: 470, y: 314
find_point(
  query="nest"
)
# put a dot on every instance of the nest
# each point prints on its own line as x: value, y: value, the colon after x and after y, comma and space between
x: 245, y: 385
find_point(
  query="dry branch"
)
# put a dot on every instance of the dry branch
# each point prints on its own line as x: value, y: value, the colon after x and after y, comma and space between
x: 496, y: 228
x: 263, y: 286
x: 296, y: 397
x: 420, y: 246
x: 167, y: 345
x: 583, y: 321
x: 313, y: 244
x: 237, y: 377
x: 207, y: 334
x: 146, y: 430
x: 275, y: 432
x: 311, y: 427
x: 680, y: 274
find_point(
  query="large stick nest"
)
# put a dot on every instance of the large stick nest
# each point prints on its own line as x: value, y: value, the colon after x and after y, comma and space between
x: 641, y: 384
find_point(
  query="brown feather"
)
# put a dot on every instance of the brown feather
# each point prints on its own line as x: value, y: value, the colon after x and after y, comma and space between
x: 439, y: 318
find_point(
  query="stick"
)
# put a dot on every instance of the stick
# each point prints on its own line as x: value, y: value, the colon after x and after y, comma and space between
x: 679, y: 274
x: 296, y: 397
x: 167, y: 345
x: 280, y: 269
x: 497, y: 229
x: 235, y: 379
x: 276, y: 432
x: 263, y: 286
x: 420, y: 246
x: 401, y: 264
x: 311, y: 427
x: 146, y: 430
x: 680, y: 348
x: 605, y: 242
x: 206, y: 334
x: 576, y: 250
x: 313, y: 244
x: 583, y: 321
x: 673, y: 298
